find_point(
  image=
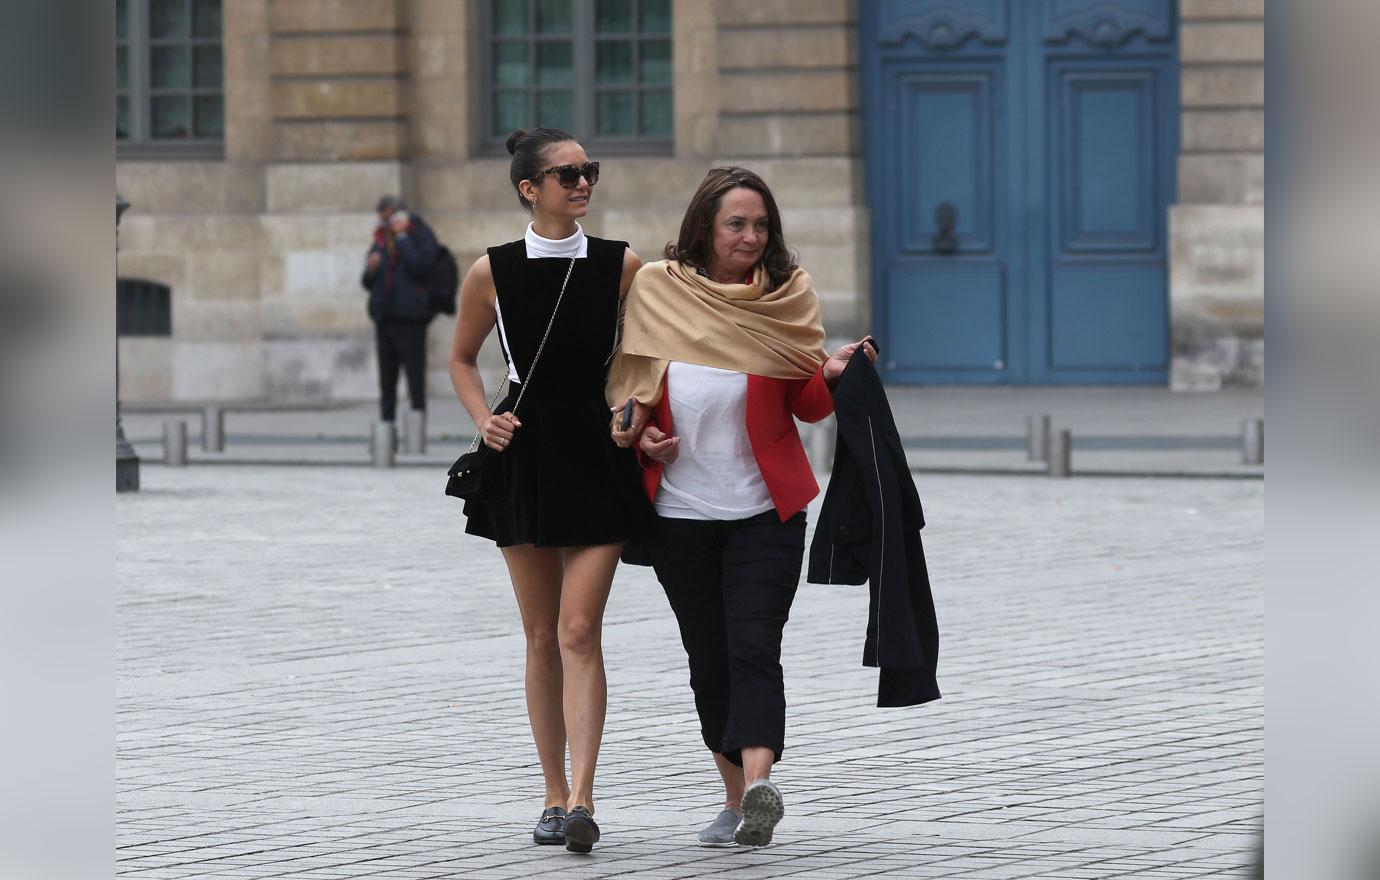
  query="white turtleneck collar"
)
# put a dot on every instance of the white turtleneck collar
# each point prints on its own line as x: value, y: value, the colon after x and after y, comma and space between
x: 574, y: 246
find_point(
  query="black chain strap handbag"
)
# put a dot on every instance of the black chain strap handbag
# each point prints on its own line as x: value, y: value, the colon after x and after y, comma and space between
x: 466, y: 476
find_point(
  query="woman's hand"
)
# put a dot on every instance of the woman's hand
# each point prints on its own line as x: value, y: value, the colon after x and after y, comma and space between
x: 833, y: 368
x: 657, y: 446
x: 498, y: 429
x: 641, y: 413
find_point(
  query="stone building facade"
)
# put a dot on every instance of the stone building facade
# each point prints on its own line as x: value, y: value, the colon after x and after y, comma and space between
x: 1217, y: 229
x: 330, y: 103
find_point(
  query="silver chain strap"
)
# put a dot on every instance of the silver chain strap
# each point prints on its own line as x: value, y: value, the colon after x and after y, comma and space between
x: 474, y: 444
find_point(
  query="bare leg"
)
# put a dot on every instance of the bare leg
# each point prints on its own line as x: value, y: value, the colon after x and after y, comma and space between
x: 584, y: 592
x: 536, y: 576
x: 757, y: 763
x: 733, y: 782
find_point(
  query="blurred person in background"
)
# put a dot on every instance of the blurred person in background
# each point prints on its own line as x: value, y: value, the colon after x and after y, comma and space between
x: 400, y: 259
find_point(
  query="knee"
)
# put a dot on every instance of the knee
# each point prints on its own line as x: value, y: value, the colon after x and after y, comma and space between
x: 542, y: 641
x: 579, y: 636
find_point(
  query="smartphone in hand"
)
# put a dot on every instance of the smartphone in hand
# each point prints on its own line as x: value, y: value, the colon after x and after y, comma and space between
x: 627, y: 414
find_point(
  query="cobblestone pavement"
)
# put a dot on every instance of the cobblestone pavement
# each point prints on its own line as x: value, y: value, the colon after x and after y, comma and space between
x: 319, y: 676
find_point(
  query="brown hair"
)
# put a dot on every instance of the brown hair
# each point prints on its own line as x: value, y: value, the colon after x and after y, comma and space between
x: 694, y: 247
x: 528, y: 149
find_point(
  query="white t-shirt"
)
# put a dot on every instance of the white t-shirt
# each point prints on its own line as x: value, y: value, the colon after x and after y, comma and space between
x: 574, y: 246
x: 715, y: 474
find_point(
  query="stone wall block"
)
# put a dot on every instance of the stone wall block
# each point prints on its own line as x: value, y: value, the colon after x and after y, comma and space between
x: 174, y: 233
x: 165, y: 268
x: 807, y: 182
x: 1207, y: 130
x: 479, y: 184
x: 217, y: 370
x: 1217, y: 259
x: 245, y: 45
x: 806, y: 47
x: 199, y: 320
x: 333, y: 187
x: 438, y: 55
x: 289, y: 232
x: 245, y: 17
x: 1223, y: 86
x: 339, y: 98
x: 844, y: 312
x: 330, y: 273
x: 298, y: 16
x: 648, y: 184
x: 1222, y: 41
x: 815, y: 134
x: 191, y: 187
x: 1221, y: 179
x: 327, y: 55
x: 224, y: 274
x: 320, y: 369
x: 146, y: 368
x: 1219, y: 9
x: 436, y: 16
x: 785, y: 12
x: 768, y: 92
x: 340, y: 141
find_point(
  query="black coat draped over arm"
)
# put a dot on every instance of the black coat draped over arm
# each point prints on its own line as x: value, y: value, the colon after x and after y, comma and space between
x: 869, y: 531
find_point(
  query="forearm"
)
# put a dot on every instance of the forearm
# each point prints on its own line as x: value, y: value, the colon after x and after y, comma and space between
x: 469, y: 388
x: 812, y: 399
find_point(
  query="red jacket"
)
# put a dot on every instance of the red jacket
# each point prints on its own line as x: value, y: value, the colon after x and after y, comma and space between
x: 771, y: 431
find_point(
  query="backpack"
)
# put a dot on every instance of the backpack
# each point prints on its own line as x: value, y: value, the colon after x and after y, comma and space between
x: 443, y: 281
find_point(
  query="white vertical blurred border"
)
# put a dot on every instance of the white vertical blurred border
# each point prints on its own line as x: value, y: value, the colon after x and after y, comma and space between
x: 1322, y: 802
x: 57, y: 242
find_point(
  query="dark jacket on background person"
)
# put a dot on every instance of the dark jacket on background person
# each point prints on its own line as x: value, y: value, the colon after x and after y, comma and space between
x: 397, y: 289
x: 869, y: 531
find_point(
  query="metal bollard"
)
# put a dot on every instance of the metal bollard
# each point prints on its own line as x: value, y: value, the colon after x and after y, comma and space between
x: 213, y: 429
x: 1252, y: 441
x: 384, y: 446
x: 1061, y: 453
x: 1037, y: 438
x: 823, y: 438
x: 175, y: 443
x: 414, y: 432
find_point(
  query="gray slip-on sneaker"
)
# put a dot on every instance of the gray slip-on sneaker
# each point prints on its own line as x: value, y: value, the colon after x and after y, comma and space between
x: 720, y: 831
x: 762, y: 809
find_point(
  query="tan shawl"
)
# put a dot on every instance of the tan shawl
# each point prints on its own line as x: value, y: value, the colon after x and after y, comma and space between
x: 672, y: 313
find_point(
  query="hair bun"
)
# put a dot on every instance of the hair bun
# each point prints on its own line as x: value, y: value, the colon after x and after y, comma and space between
x: 512, y: 142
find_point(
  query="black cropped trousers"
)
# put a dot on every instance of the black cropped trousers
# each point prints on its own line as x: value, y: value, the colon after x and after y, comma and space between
x: 731, y: 584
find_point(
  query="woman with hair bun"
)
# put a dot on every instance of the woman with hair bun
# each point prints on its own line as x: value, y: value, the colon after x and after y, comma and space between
x: 561, y: 498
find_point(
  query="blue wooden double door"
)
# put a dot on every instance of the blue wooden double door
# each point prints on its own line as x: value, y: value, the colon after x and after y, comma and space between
x: 1020, y: 164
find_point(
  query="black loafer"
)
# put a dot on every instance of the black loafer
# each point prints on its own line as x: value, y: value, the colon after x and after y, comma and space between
x: 550, y: 830
x: 580, y: 831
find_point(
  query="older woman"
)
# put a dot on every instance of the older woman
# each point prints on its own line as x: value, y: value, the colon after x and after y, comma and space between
x: 722, y: 346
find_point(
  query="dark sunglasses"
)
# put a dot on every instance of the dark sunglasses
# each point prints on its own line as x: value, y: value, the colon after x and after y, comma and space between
x: 569, y: 176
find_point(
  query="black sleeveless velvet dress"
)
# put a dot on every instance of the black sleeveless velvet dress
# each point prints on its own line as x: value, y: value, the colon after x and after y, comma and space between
x: 562, y: 482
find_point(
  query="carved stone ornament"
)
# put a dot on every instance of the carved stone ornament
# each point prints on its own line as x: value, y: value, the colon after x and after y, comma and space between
x: 1107, y: 25
x: 943, y: 28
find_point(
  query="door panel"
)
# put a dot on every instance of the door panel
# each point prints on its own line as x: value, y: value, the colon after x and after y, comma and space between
x: 1048, y: 130
x: 954, y: 319
x: 1107, y: 149
x: 946, y: 130
x: 1107, y: 319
